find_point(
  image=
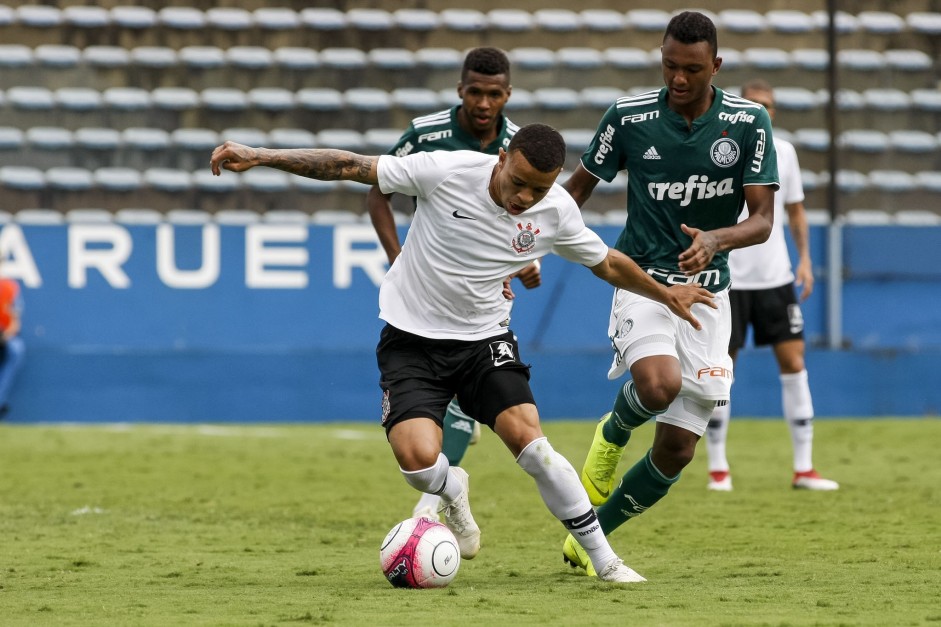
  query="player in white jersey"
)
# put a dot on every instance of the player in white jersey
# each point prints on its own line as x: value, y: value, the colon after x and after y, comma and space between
x: 478, y: 219
x: 763, y: 296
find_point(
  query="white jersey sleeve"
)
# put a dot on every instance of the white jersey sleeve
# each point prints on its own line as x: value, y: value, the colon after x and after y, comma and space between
x: 416, y: 174
x: 576, y: 242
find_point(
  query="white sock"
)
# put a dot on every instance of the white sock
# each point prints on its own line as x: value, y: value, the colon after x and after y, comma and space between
x: 716, y: 435
x: 427, y: 502
x: 799, y: 414
x: 433, y: 480
x: 563, y: 494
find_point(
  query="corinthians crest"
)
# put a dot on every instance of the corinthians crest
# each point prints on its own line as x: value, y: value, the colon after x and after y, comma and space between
x: 525, y: 240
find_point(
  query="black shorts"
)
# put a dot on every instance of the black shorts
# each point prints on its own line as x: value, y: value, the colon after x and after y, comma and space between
x: 420, y: 376
x: 774, y: 314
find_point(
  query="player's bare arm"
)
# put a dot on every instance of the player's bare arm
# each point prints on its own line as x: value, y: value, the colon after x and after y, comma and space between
x: 322, y: 164
x: 621, y: 271
x: 581, y: 184
x: 754, y: 229
x: 379, y: 206
x: 804, y: 272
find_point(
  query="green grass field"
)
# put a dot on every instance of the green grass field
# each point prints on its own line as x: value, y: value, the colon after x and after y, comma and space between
x: 188, y: 525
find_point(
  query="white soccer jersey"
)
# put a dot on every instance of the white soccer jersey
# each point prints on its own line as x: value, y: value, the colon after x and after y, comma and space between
x: 768, y: 265
x: 448, y: 281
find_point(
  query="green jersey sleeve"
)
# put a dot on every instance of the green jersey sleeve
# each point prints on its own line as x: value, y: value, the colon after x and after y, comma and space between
x: 406, y: 144
x: 605, y: 155
x: 761, y: 165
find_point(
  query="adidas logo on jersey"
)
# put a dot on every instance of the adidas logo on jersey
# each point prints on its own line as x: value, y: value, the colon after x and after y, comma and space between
x: 651, y: 153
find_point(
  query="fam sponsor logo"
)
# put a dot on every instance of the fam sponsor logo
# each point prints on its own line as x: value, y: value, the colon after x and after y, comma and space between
x: 760, y: 144
x: 604, y: 144
x: 738, y: 116
x: 725, y: 152
x: 706, y: 278
x: 714, y: 371
x: 525, y: 240
x: 640, y: 117
x: 697, y: 187
x: 405, y: 149
x: 434, y: 136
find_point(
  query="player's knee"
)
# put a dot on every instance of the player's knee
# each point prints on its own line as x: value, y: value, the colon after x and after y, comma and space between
x: 657, y: 394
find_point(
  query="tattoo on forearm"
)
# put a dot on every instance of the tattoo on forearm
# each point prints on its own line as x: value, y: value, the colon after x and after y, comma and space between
x: 325, y: 164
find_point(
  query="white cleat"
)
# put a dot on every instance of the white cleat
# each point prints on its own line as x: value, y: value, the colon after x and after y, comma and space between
x: 428, y: 511
x: 458, y: 517
x: 810, y: 480
x: 617, y: 572
x: 720, y: 481
x: 475, y: 434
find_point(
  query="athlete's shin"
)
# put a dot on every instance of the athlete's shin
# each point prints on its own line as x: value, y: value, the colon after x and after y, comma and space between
x: 627, y: 414
x: 640, y: 488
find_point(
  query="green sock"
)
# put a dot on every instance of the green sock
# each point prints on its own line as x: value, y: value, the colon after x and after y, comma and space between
x: 627, y: 414
x: 458, y: 428
x: 640, y: 488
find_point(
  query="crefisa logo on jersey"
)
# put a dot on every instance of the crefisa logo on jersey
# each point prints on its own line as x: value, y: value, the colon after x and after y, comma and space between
x: 725, y: 152
x: 525, y: 240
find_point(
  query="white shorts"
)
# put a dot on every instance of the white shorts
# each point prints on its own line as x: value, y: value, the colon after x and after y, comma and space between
x: 640, y: 327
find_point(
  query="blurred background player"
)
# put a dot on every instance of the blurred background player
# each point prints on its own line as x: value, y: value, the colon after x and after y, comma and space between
x: 476, y: 124
x: 764, y: 297
x: 12, y: 349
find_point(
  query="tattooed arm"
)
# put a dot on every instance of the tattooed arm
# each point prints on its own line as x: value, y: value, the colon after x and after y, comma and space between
x: 323, y: 164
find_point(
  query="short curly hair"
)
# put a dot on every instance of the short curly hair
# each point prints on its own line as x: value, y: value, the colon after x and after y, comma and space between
x: 487, y: 61
x: 542, y: 146
x: 690, y: 27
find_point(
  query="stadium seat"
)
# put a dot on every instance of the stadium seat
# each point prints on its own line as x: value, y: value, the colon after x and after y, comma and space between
x: 249, y: 57
x: 846, y: 23
x: 731, y: 59
x: 416, y: 19
x: 49, y: 138
x: 929, y: 180
x: 22, y: 178
x: 69, y: 179
x: 181, y: 18
x: 861, y: 60
x: 15, y: 56
x: 11, y: 138
x: 224, y: 99
x: 916, y: 142
x: 790, y: 21
x: 341, y: 139
x: 767, y: 58
x: 891, y: 100
x: 323, y: 19
x: 926, y: 100
x: 86, y: 16
x: 196, y: 139
x: 603, y: 20
x: 522, y: 99
x: 556, y: 98
x: 266, y: 180
x: 78, y: 98
x: 134, y: 17
x: 106, y: 56
x: 320, y: 99
x: 851, y: 181
x: 145, y: 138
x: 908, y: 60
x: 236, y: 217
x: 368, y: 99
x: 416, y: 99
x: 814, y: 139
x: 627, y: 58
x: 648, y: 19
x: 138, y: 216
x: 463, y: 20
x: 157, y: 57
x: 292, y: 138
x: 343, y: 58
x: 532, y: 58
x: 510, y: 20
x: 328, y: 216
x: 97, y: 139
x: 314, y: 186
x: 580, y: 58
x: 812, y: 59
x: 31, y: 98
x: 600, y: 97
x: 381, y: 140
x: 297, y: 58
x: 118, y: 179
x: 917, y: 217
x: 229, y: 18
x: 274, y: 18
x: 392, y: 58
x: 245, y: 135
x: 439, y: 58
x: 38, y: 16
x: 809, y: 180
x: 88, y: 216
x: 864, y: 140
x: 169, y: 180
x: 741, y: 21
x: 57, y: 56
x: 205, y: 181
x: 370, y: 19
x: 202, y: 57
x: 892, y: 181
x: 286, y: 216
x: 557, y: 20
x: 880, y: 22
x: 175, y: 98
x: 924, y: 22
x: 126, y: 98
x: 795, y: 99
x: 867, y: 217
x: 188, y: 216
x: 577, y: 139
x: 271, y: 99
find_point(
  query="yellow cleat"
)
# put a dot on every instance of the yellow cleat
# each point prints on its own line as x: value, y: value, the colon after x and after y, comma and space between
x: 575, y: 556
x: 600, y: 465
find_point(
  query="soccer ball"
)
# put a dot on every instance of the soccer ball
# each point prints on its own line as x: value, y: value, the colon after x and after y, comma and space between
x: 419, y: 553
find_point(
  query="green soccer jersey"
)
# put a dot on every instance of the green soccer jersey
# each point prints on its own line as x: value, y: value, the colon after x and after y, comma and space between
x: 441, y: 131
x: 681, y: 174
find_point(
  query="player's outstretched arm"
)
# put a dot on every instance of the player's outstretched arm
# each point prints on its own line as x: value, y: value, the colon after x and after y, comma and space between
x: 581, y: 184
x: 380, y: 213
x: 620, y: 271
x: 804, y: 272
x: 324, y: 164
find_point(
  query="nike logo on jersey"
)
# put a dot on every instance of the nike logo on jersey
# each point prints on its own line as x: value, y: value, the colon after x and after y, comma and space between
x: 651, y: 153
x: 457, y: 215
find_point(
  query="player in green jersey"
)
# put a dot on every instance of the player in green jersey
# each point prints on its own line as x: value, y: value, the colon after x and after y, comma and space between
x: 476, y: 124
x: 694, y: 154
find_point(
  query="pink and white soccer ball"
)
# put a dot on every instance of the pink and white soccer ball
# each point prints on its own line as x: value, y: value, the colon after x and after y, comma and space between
x: 419, y: 553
